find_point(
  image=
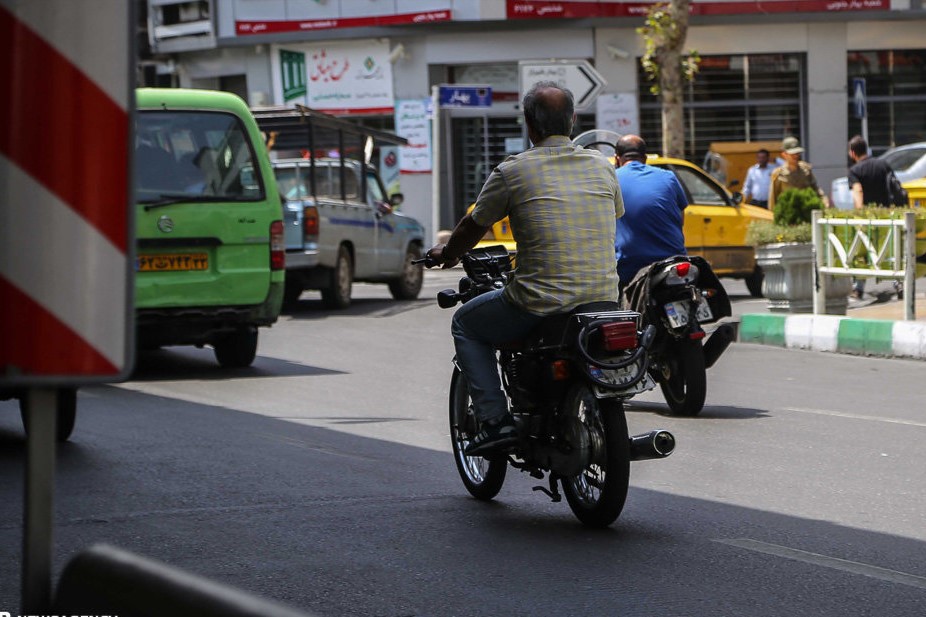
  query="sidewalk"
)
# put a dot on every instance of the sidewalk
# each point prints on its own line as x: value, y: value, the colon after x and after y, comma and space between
x: 870, y: 327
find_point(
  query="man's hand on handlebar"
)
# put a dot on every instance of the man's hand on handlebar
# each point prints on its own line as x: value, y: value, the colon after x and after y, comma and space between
x: 435, y: 257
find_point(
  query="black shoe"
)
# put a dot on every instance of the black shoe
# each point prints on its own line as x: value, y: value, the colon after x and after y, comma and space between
x: 493, y: 438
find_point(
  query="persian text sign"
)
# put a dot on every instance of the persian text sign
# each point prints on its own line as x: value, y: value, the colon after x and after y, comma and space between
x: 262, y: 26
x: 412, y: 123
x: 576, y: 75
x: 341, y: 77
x: 547, y: 9
x: 65, y: 223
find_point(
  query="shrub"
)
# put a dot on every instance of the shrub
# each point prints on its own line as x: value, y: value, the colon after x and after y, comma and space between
x: 794, y: 206
x: 768, y: 232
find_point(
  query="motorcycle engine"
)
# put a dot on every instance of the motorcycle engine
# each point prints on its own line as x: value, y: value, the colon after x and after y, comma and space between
x: 580, y: 446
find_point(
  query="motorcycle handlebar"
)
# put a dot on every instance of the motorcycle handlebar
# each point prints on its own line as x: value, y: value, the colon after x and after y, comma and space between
x: 426, y: 261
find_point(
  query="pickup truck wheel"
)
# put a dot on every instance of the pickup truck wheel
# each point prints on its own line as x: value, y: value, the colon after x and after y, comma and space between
x: 337, y: 293
x: 66, y: 413
x: 238, y: 349
x: 408, y: 286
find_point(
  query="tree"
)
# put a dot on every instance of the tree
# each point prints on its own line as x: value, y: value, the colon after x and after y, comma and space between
x: 664, y: 33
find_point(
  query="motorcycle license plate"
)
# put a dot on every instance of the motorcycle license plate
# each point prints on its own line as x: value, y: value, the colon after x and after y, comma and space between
x: 677, y: 312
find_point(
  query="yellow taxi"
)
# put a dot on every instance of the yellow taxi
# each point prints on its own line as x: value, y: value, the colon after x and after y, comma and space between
x: 916, y: 192
x: 715, y: 220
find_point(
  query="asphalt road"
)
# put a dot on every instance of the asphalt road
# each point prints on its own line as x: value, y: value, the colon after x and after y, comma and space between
x: 321, y: 478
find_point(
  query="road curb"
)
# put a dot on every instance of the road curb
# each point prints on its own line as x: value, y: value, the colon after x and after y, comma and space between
x: 868, y: 337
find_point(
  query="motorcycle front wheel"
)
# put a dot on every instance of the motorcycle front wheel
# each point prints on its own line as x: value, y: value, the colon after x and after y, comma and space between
x: 684, y: 378
x: 597, y: 495
x: 482, y: 477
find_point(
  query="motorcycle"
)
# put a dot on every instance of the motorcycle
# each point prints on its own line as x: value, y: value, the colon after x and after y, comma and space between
x: 566, y: 383
x: 677, y: 296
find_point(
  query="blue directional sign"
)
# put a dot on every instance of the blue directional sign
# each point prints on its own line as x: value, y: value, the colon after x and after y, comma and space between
x: 859, y: 104
x: 459, y: 95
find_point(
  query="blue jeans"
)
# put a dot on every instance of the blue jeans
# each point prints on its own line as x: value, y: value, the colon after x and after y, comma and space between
x: 479, y: 325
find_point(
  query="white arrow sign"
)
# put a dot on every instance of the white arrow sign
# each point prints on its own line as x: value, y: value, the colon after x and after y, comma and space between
x: 577, y: 75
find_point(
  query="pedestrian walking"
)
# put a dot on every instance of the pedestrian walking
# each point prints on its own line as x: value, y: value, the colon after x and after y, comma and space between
x: 872, y: 183
x: 758, y: 179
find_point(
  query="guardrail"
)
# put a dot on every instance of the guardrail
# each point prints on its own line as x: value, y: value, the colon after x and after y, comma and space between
x: 888, y: 247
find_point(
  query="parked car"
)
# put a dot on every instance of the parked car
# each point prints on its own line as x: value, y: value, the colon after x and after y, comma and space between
x: 715, y: 221
x: 916, y: 191
x: 907, y: 161
x: 210, y: 262
x: 345, y: 232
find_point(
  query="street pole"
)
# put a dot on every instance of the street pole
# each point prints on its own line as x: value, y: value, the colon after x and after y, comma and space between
x: 38, y: 516
x: 435, y: 162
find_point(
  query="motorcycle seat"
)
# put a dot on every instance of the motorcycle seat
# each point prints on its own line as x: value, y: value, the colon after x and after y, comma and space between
x: 553, y: 327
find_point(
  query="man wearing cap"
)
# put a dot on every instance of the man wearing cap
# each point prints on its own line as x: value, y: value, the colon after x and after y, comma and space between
x: 654, y: 211
x: 794, y: 174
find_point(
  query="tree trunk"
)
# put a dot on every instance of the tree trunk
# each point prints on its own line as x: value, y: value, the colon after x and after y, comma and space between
x: 672, y: 86
x: 671, y: 82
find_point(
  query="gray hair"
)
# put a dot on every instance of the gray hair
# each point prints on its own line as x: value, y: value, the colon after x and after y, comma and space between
x: 548, y: 115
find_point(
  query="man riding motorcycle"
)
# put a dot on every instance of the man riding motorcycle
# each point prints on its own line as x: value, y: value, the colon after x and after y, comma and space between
x: 562, y: 202
x: 654, y: 203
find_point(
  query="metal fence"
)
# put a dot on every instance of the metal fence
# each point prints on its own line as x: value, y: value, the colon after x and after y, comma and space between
x: 865, y: 248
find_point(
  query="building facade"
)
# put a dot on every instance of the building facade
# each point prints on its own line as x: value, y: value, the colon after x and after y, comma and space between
x: 769, y: 69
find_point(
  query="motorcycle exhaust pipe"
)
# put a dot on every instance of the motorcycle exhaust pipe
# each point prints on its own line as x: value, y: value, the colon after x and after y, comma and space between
x: 718, y: 342
x: 652, y: 445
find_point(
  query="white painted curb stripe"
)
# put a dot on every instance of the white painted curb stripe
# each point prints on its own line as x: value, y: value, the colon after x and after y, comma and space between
x: 63, y: 263
x: 908, y: 339
x: 816, y: 332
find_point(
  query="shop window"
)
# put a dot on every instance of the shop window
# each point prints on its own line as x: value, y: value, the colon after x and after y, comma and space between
x: 895, y: 95
x: 733, y: 98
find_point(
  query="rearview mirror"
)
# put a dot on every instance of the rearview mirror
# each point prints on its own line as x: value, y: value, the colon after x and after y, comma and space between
x: 396, y: 199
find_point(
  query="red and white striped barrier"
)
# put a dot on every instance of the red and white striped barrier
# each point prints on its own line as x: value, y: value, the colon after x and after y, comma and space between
x: 65, y: 111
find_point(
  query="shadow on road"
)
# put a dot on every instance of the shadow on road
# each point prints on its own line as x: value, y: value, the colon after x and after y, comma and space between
x: 346, y: 525
x: 178, y: 363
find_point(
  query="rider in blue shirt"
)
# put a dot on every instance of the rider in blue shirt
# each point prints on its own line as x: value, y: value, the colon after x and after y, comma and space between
x: 654, y: 211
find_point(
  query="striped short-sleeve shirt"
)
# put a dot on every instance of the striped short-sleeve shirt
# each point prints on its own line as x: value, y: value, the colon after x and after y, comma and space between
x: 562, y: 201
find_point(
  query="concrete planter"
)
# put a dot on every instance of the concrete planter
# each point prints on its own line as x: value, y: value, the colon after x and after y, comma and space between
x: 788, y: 284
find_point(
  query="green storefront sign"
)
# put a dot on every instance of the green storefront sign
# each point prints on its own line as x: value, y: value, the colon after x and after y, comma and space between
x: 292, y: 72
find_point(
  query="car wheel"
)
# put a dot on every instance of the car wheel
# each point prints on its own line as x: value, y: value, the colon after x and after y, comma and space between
x: 66, y: 413
x: 754, y: 282
x: 408, y: 286
x: 337, y: 293
x: 238, y: 349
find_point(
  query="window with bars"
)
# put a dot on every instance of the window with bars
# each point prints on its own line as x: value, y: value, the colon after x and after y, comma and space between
x: 732, y: 98
x: 895, y: 96
x: 479, y: 145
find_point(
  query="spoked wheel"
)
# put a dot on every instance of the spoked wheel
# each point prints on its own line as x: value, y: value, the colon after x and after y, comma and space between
x: 684, y: 378
x: 598, y: 493
x: 482, y: 477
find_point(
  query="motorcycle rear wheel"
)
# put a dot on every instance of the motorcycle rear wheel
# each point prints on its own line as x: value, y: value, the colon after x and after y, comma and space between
x: 684, y: 379
x: 482, y: 477
x: 597, y: 495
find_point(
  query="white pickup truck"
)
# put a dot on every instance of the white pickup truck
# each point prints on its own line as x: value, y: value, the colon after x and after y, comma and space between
x: 340, y: 227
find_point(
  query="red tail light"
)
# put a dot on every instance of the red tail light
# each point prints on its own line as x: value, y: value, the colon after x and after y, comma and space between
x: 277, y: 246
x: 683, y: 268
x: 310, y: 223
x: 619, y: 335
x: 560, y: 369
